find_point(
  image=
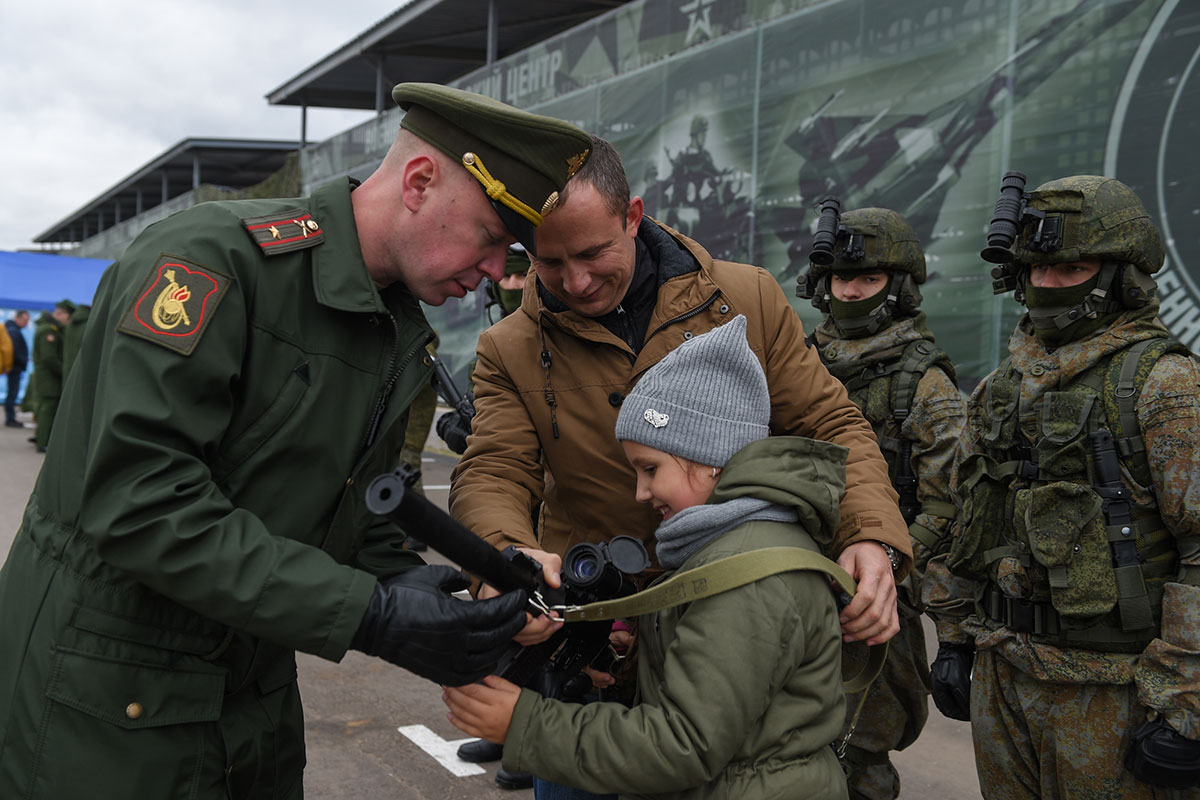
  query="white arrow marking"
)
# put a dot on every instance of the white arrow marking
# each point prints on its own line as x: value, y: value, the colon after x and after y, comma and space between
x: 444, y: 752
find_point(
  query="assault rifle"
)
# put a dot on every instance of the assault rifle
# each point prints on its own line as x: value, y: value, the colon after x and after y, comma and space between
x: 454, y: 426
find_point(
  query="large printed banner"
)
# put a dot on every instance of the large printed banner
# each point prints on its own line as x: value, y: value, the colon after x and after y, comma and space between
x: 735, y: 117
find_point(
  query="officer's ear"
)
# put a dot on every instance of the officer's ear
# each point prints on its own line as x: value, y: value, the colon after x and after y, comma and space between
x: 418, y: 176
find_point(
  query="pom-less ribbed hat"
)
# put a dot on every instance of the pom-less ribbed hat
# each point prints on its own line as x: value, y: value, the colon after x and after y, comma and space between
x: 704, y: 401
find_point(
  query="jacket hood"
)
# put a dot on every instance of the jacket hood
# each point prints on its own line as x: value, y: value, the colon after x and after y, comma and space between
x: 792, y: 471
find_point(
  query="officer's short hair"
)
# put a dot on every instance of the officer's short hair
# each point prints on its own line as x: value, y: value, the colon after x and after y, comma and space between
x: 605, y: 173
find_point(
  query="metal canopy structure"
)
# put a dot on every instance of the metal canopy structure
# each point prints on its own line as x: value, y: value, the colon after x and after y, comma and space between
x: 231, y: 163
x: 430, y: 40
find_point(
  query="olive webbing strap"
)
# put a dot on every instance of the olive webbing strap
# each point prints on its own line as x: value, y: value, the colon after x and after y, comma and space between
x: 721, y: 576
x: 1129, y: 436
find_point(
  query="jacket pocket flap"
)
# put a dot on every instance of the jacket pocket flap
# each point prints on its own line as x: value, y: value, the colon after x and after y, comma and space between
x: 132, y: 695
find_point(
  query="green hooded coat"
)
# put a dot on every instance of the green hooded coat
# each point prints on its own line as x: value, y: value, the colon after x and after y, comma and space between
x: 739, y: 694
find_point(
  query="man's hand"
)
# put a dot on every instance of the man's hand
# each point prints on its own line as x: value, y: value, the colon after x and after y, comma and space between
x: 872, y: 615
x: 1160, y: 756
x: 413, y: 622
x: 951, y: 675
x: 537, y: 629
x: 483, y: 710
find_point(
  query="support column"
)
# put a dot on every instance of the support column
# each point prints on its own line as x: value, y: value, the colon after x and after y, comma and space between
x: 493, y: 35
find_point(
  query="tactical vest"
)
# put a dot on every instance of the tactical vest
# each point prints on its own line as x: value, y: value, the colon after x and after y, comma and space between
x: 883, y: 386
x: 1096, y: 562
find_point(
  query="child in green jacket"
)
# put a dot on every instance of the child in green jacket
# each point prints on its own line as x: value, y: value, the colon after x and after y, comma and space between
x: 739, y: 693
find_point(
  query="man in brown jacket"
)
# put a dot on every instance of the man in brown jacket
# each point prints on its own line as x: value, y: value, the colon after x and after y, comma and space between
x: 612, y: 292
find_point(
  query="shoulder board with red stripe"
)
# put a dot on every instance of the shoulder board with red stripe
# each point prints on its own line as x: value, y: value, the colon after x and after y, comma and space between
x: 293, y: 229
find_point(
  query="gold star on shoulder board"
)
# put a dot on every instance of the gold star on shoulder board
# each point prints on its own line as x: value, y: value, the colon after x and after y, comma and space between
x: 274, y: 232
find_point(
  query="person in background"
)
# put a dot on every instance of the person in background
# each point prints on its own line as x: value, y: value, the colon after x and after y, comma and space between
x: 73, y: 337
x: 7, y: 359
x: 875, y: 340
x: 48, y: 366
x: 454, y: 427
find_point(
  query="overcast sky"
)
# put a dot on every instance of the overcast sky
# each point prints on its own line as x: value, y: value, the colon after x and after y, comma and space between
x: 91, y: 91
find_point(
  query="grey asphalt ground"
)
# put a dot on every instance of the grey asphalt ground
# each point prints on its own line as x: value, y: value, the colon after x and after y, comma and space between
x: 354, y: 709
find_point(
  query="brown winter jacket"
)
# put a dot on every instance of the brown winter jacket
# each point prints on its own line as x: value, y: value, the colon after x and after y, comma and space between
x: 548, y: 387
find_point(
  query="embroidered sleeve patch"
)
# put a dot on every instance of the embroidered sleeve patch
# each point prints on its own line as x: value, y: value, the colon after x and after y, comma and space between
x: 174, y: 304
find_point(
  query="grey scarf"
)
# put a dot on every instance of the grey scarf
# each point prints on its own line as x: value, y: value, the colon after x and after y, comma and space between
x: 690, y: 529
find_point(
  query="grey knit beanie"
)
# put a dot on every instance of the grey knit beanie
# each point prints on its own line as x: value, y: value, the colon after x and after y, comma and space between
x: 704, y: 401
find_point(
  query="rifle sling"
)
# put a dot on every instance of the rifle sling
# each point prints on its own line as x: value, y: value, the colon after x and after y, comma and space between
x: 721, y: 576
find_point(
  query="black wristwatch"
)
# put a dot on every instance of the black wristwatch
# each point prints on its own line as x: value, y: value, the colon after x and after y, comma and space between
x: 893, y: 556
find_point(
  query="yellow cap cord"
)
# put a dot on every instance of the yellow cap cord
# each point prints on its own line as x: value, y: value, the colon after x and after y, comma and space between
x: 496, y: 189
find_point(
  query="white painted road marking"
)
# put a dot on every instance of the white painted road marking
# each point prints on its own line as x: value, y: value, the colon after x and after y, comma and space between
x: 444, y: 752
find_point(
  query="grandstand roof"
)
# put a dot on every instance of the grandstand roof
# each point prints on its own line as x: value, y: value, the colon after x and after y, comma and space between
x: 233, y: 163
x: 428, y: 40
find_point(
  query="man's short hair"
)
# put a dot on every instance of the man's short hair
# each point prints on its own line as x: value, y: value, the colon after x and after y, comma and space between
x: 605, y: 173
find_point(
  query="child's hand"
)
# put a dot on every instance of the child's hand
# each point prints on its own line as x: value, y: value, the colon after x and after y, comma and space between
x: 482, y: 710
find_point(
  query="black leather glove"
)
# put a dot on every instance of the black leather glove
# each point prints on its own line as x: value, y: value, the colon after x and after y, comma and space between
x: 452, y: 431
x: 951, y: 673
x: 1160, y: 756
x: 454, y: 427
x: 413, y: 622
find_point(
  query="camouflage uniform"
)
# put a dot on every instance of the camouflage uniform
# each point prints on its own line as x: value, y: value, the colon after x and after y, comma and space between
x: 1087, y: 619
x: 925, y: 422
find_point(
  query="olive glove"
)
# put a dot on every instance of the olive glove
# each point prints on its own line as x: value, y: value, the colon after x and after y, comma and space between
x: 413, y: 622
x: 951, y: 674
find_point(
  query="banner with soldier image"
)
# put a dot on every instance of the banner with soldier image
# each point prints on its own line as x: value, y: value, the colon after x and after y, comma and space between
x: 736, y: 117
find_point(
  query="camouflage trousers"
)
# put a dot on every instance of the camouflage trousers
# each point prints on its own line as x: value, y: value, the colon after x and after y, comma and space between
x: 420, y: 420
x: 893, y: 714
x: 1054, y: 741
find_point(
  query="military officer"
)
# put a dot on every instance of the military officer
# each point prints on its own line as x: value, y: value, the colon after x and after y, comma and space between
x: 864, y: 275
x: 1080, y: 520
x: 48, y: 343
x: 201, y: 513
x: 73, y: 336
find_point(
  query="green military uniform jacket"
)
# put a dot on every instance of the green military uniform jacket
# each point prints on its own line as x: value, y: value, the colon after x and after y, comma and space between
x: 48, y: 355
x: 73, y: 337
x: 200, y: 515
x: 739, y: 694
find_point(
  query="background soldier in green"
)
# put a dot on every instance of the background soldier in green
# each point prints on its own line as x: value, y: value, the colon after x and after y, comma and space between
x: 864, y: 275
x: 73, y: 337
x: 454, y: 426
x: 202, y: 516
x: 48, y: 366
x: 1080, y: 521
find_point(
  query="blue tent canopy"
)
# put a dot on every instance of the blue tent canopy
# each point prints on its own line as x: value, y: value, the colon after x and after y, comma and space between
x: 36, y: 281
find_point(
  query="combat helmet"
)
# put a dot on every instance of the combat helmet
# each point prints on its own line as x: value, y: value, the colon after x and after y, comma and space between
x: 864, y: 240
x: 1080, y: 218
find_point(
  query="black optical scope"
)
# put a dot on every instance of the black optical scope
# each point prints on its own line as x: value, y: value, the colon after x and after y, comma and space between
x: 827, y: 231
x: 1006, y: 219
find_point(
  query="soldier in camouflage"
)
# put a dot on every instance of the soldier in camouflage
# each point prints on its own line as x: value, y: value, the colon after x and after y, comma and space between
x: 875, y: 340
x: 1080, y: 521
